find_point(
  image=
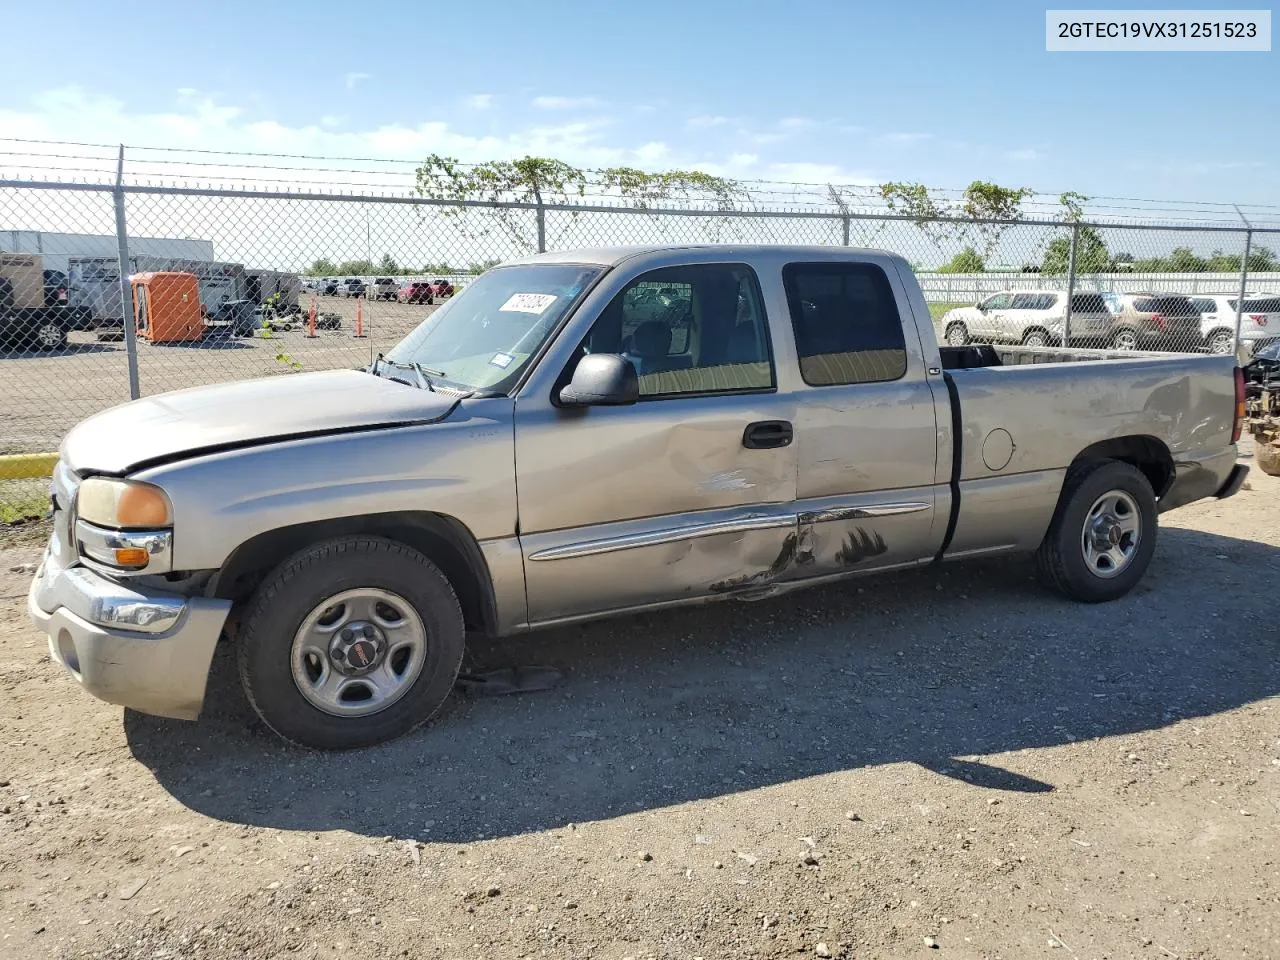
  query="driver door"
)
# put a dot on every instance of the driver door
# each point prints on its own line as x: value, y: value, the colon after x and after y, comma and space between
x: 992, y: 316
x: 688, y: 493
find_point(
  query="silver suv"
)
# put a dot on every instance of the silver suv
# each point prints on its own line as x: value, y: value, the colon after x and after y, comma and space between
x: 1033, y: 317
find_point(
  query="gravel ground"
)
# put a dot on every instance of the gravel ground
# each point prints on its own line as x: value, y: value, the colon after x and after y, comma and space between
x: 944, y: 763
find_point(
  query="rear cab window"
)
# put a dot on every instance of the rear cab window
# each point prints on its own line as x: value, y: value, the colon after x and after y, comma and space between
x: 846, y: 323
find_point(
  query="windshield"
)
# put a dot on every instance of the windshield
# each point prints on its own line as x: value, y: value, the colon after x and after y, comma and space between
x: 484, y: 336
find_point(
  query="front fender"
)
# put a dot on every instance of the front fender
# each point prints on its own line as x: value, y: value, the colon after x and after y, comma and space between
x: 463, y: 467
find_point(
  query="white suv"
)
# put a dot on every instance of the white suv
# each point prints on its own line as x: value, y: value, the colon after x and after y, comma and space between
x: 1033, y: 317
x: 1259, y: 321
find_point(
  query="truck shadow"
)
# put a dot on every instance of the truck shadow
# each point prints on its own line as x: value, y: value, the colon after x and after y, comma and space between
x: 930, y: 667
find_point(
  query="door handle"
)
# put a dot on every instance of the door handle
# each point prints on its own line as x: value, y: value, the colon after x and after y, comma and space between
x: 767, y: 434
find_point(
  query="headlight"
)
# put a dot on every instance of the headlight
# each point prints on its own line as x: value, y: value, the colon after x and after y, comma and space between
x: 123, y: 504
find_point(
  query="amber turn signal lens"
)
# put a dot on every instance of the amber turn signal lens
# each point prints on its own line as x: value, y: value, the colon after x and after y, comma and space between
x: 142, y: 506
x: 131, y: 557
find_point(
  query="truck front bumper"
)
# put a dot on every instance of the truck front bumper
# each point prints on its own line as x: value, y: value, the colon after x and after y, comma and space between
x: 142, y: 649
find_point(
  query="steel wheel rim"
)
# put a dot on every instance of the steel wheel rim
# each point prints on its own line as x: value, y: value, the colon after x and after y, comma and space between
x: 956, y: 336
x: 1036, y: 340
x: 1126, y: 341
x: 1112, y: 534
x: 1221, y: 344
x: 358, y: 652
x: 49, y: 335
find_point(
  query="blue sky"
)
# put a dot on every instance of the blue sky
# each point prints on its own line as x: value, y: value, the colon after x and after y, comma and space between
x: 809, y: 90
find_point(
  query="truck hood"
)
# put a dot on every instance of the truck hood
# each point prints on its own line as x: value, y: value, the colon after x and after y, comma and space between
x: 248, y: 413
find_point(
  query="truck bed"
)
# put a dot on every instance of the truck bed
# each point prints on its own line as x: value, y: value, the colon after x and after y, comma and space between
x: 980, y: 355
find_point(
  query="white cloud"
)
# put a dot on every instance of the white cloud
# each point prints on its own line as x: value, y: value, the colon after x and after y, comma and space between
x: 332, y: 120
x: 795, y: 123
x: 904, y: 138
x: 706, y: 121
x: 353, y: 78
x: 817, y: 173
x: 564, y: 103
x: 479, y: 101
x: 652, y: 154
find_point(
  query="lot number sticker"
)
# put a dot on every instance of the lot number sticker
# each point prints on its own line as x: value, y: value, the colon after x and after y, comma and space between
x: 528, y: 303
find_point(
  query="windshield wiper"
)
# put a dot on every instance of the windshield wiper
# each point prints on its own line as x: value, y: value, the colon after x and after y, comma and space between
x: 424, y: 374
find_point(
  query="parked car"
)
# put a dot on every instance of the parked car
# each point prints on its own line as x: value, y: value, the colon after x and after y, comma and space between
x: 1032, y: 317
x: 351, y: 287
x: 1153, y: 321
x: 383, y: 288
x: 501, y: 474
x: 416, y: 291
x: 30, y: 328
x: 442, y: 288
x: 1259, y: 321
x: 327, y: 286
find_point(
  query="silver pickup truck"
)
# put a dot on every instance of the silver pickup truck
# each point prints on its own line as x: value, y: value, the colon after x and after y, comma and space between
x: 590, y: 433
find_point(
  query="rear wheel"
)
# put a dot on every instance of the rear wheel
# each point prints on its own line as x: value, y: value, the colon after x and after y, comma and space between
x: 1222, y: 342
x: 1103, y: 532
x: 1124, y: 339
x: 957, y: 335
x: 50, y: 336
x: 351, y: 643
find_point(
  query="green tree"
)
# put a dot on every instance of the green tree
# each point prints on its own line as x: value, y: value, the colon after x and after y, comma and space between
x: 1091, y: 250
x: 388, y: 265
x: 967, y: 260
x: 355, y: 268
x: 539, y: 181
x: 322, y: 268
x: 1182, y: 260
x: 1091, y: 254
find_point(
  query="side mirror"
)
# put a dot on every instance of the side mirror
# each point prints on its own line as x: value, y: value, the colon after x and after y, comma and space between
x: 602, y: 380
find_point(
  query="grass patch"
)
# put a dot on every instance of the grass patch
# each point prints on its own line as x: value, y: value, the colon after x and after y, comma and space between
x: 22, y: 500
x: 936, y: 310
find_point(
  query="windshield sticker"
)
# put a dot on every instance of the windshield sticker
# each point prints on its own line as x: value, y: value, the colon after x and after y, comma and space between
x: 528, y: 303
x: 502, y: 360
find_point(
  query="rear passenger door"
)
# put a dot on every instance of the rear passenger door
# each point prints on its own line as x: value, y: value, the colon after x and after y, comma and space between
x: 866, y: 430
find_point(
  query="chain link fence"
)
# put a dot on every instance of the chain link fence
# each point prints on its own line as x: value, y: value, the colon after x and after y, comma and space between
x: 86, y: 323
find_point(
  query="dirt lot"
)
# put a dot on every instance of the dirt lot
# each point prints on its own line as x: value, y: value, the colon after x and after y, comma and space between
x: 948, y: 763
x: 43, y: 395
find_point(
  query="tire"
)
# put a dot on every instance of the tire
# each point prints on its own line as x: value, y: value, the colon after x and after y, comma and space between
x: 1062, y: 555
x: 1267, y: 457
x: 286, y: 621
x: 50, y: 336
x: 1035, y: 338
x: 957, y: 335
x: 1221, y: 342
x: 1124, y: 339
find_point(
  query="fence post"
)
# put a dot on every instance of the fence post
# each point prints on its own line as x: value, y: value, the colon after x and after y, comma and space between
x: 844, y: 223
x: 541, y: 215
x: 1071, y: 284
x: 126, y: 290
x: 1244, y: 280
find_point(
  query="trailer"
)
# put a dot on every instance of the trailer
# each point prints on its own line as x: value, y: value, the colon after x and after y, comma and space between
x: 94, y: 283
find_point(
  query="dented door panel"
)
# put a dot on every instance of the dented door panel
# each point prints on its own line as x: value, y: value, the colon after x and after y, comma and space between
x: 618, y: 505
x: 656, y: 560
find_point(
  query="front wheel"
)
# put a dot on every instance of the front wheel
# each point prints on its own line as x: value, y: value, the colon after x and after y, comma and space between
x: 1103, y: 532
x: 957, y: 335
x: 1035, y: 338
x: 350, y: 643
